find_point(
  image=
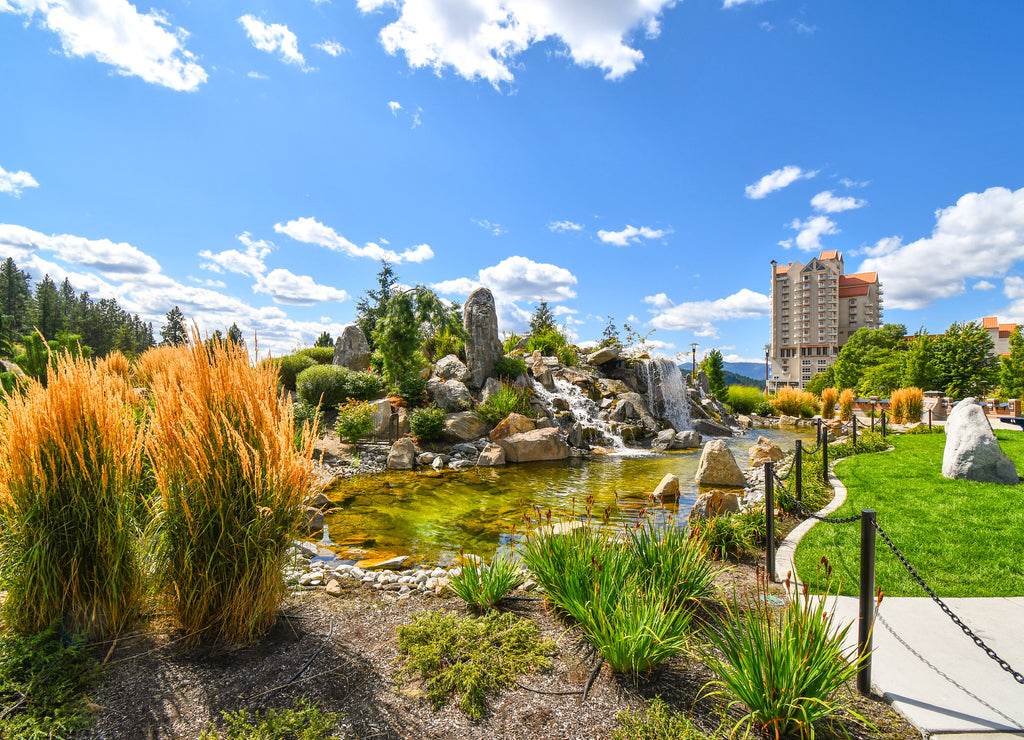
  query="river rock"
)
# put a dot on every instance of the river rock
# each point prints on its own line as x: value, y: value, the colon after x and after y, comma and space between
x: 688, y: 440
x: 450, y: 395
x: 972, y: 451
x: 765, y: 451
x: 491, y: 456
x: 605, y: 354
x: 351, y: 350
x: 788, y: 421
x: 718, y: 467
x: 664, y: 439
x: 534, y: 445
x: 333, y: 587
x: 710, y: 428
x: 314, y: 519
x: 623, y: 410
x: 483, y: 345
x: 715, y: 503
x: 541, y: 372
x: 512, y: 424
x: 450, y: 367
x: 668, y: 489
x: 382, y: 413
x: 402, y: 455
x: 464, y: 426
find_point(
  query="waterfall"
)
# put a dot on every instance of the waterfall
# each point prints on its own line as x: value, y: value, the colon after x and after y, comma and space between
x: 585, y: 412
x: 666, y: 393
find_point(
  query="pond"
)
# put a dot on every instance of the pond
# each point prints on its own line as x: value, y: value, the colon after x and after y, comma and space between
x: 432, y: 516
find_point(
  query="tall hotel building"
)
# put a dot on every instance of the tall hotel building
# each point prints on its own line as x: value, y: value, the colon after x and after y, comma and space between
x: 815, y: 309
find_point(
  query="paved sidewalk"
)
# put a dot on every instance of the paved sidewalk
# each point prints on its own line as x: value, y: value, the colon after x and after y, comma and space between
x: 931, y: 672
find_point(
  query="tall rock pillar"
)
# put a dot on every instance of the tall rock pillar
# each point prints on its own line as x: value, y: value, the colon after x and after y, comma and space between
x: 480, y: 320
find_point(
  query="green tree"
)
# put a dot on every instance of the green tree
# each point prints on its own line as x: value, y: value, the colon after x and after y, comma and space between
x: 1011, y: 374
x: 47, y: 317
x: 866, y: 348
x: 411, y: 318
x: 324, y: 340
x: 174, y: 332
x: 714, y: 367
x: 964, y: 357
x: 371, y: 308
x: 610, y: 334
x: 15, y: 296
x: 821, y: 381
x: 919, y: 370
x: 235, y: 335
x: 543, y: 320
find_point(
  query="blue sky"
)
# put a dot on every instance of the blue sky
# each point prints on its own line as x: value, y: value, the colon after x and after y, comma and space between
x: 252, y: 161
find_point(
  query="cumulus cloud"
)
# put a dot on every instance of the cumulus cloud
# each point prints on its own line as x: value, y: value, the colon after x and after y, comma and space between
x: 118, y: 260
x: 207, y: 283
x: 565, y: 310
x: 983, y: 285
x: 981, y: 236
x: 13, y: 183
x: 560, y: 227
x: 826, y: 202
x: 700, y: 316
x: 311, y: 231
x: 273, y: 38
x: 285, y: 286
x: 631, y: 235
x: 114, y: 32
x: 777, y: 180
x: 482, y: 39
x: 250, y: 262
x: 330, y: 47
x: 812, y: 230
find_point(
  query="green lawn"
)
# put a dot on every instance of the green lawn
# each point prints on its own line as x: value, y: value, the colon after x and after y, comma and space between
x: 964, y: 538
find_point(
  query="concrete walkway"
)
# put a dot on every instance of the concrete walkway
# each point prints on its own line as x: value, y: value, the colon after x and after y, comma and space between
x: 925, y: 666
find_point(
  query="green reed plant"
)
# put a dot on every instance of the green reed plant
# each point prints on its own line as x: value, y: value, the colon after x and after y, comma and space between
x: 787, y: 667
x: 743, y: 399
x: 69, y: 467
x: 482, y: 586
x: 231, y: 484
x: 672, y: 563
x: 730, y: 536
x: 506, y: 400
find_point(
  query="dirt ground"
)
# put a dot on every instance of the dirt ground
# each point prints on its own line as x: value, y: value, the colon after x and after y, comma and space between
x: 342, y: 652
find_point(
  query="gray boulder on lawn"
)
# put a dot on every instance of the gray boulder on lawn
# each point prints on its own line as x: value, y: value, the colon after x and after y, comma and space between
x: 972, y: 451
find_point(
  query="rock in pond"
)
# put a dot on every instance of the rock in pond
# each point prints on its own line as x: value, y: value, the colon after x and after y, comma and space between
x: 718, y: 467
x: 535, y: 445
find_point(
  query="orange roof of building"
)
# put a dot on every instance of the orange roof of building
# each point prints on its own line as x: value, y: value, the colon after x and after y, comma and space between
x: 830, y: 254
x: 853, y: 290
x: 782, y: 269
x: 859, y: 278
x: 990, y: 322
x: 1005, y: 330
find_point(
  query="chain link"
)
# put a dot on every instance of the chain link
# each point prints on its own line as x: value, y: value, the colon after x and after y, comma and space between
x: 808, y: 513
x: 1017, y: 676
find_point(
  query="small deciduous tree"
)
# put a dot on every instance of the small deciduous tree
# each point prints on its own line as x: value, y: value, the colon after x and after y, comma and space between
x: 919, y: 370
x: 1012, y: 371
x: 965, y: 359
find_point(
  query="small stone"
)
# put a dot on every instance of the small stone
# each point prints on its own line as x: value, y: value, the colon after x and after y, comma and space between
x: 333, y: 588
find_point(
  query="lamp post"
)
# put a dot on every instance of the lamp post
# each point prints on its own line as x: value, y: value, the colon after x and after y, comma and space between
x: 767, y: 352
x: 693, y: 360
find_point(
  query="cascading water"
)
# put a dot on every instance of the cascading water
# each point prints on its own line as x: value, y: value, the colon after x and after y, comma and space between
x: 666, y: 393
x: 585, y: 412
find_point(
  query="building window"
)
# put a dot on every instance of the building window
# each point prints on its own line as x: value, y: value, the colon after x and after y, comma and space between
x: 805, y: 362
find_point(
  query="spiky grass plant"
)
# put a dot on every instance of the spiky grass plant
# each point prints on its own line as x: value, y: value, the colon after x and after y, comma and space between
x: 907, y: 405
x: 829, y: 396
x: 231, y: 485
x: 846, y: 399
x: 481, y: 586
x: 155, y: 361
x: 69, y: 462
x: 672, y: 563
x: 115, y: 364
x: 787, y: 666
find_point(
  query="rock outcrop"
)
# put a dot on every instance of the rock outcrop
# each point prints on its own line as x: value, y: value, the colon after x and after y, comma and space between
x: 535, y: 445
x: 483, y: 347
x: 710, y: 428
x: 464, y: 426
x: 450, y: 395
x: 603, y: 355
x: 450, y: 367
x: 718, y: 467
x: 351, y: 350
x: 972, y: 451
x: 512, y: 424
x: 715, y: 503
x: 765, y: 451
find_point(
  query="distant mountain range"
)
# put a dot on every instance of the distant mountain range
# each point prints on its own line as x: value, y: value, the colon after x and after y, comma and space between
x: 738, y: 373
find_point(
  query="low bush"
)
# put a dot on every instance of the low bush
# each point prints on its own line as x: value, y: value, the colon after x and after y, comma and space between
x: 305, y: 721
x: 764, y: 408
x: 743, y: 399
x: 481, y: 586
x: 509, y: 368
x: 364, y: 385
x: 471, y: 656
x: 829, y: 396
x: 319, y: 355
x: 427, y: 423
x: 443, y: 343
x: 568, y: 355
x: 508, y: 344
x: 290, y: 367
x: 355, y: 420
x: 846, y: 399
x: 413, y: 390
x: 656, y: 721
x: 547, y: 342
x: 323, y: 385
x: 507, y: 400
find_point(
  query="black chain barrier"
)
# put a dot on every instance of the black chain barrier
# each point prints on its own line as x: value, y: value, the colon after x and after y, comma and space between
x: 808, y: 513
x: 1017, y: 676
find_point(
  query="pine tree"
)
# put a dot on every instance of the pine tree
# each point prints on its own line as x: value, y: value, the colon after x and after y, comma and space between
x: 47, y: 318
x: 15, y: 296
x: 174, y: 333
x: 713, y: 366
x: 324, y: 340
x: 235, y: 335
x: 543, y: 320
x: 371, y: 308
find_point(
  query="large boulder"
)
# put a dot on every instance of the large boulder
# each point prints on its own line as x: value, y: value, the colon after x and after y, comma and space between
x: 688, y: 440
x: 972, y: 452
x: 718, y: 467
x: 710, y: 428
x: 382, y: 413
x: 483, y: 346
x: 402, y: 455
x: 450, y: 367
x: 664, y: 439
x: 351, y: 350
x: 450, y: 395
x: 640, y: 411
x: 541, y: 372
x: 491, y: 456
x: 535, y: 445
x: 464, y: 426
x: 512, y: 424
x: 667, y: 489
x: 765, y: 451
x: 714, y: 503
x: 603, y: 355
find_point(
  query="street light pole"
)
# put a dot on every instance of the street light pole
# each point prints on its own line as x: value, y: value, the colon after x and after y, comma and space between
x: 767, y: 350
x: 693, y: 361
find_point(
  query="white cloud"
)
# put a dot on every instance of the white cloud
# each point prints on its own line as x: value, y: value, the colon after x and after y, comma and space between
x: 983, y: 285
x: 311, y: 231
x: 273, y: 37
x: 297, y: 290
x: 826, y: 202
x: 115, y: 33
x: 330, y: 47
x: 848, y: 183
x: 700, y: 316
x: 119, y: 260
x: 395, y: 106
x: 495, y: 229
x: 737, y: 3
x: 563, y: 226
x: 250, y: 262
x: 982, y: 235
x: 416, y: 120
x: 207, y: 283
x: 777, y: 180
x: 631, y: 235
x: 13, y: 183
x: 632, y: 318
x: 802, y: 27
x: 565, y: 310
x: 258, y: 76
x: 481, y: 39
x: 785, y: 243
x: 812, y: 230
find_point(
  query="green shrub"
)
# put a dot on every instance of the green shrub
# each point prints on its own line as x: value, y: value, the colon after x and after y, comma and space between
x: 319, y: 355
x: 290, y: 366
x: 306, y: 721
x: 471, y: 656
x: 509, y: 343
x: 743, y: 399
x: 444, y: 343
x: 364, y: 385
x: 482, y: 587
x: 764, y: 408
x: 509, y: 368
x: 323, y: 385
x: 548, y: 342
x: 413, y: 390
x: 427, y: 423
x: 788, y: 668
x: 355, y: 420
x: 507, y: 400
x: 569, y: 355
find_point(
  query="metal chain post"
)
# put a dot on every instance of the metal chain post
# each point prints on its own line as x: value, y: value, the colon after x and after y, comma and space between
x: 798, y: 467
x: 855, y: 431
x: 824, y: 454
x: 867, y: 598
x: 769, y: 517
x: 929, y: 420
x: 883, y: 424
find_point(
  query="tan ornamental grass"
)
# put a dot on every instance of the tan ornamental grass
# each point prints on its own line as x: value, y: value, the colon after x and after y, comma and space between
x: 907, y: 405
x: 69, y: 469
x: 794, y: 402
x: 846, y: 399
x: 116, y: 364
x: 232, y: 484
x: 155, y: 361
x: 829, y: 396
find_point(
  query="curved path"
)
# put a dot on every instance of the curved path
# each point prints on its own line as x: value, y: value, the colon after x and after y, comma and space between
x: 929, y: 670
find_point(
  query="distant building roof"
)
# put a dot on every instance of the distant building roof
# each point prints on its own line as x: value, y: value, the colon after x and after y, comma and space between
x: 830, y: 254
x: 990, y: 322
x: 858, y: 279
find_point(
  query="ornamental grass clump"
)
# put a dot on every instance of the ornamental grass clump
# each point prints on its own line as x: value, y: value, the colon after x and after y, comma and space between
x: 787, y: 667
x: 794, y: 402
x: 907, y: 405
x: 231, y: 484
x: 846, y: 399
x: 829, y: 396
x: 481, y: 586
x: 69, y: 462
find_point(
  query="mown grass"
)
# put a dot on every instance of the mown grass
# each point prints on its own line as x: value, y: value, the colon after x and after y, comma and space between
x: 965, y: 538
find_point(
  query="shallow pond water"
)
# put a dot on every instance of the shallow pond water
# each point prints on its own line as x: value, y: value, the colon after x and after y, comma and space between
x: 432, y: 516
